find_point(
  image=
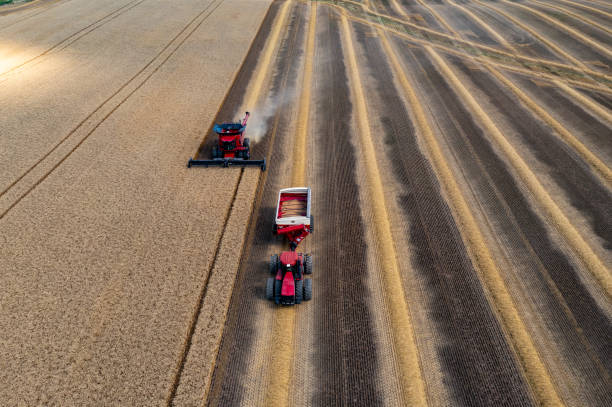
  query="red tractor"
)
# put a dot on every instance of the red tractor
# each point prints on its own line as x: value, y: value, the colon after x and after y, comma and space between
x: 293, y: 219
x: 232, y: 147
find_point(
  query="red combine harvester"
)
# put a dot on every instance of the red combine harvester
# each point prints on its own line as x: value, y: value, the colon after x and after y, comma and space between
x: 232, y: 148
x: 293, y: 219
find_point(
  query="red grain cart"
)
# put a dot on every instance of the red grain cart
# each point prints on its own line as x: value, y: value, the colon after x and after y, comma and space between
x: 293, y: 219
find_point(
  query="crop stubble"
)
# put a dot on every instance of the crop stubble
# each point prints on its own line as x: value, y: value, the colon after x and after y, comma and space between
x: 101, y: 275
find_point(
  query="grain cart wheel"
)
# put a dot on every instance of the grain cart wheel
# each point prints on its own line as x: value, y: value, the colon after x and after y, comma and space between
x: 308, y: 289
x: 307, y: 264
x: 311, y: 223
x: 270, y: 288
x: 273, y: 264
x: 299, y: 291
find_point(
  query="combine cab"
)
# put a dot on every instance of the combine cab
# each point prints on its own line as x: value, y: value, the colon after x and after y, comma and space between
x: 293, y: 220
x: 232, y: 147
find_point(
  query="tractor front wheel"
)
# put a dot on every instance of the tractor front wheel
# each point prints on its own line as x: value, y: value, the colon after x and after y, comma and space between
x: 270, y: 288
x: 308, y: 289
x: 311, y: 223
x: 299, y: 291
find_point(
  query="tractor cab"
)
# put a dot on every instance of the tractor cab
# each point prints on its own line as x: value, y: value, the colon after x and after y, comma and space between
x: 288, y: 286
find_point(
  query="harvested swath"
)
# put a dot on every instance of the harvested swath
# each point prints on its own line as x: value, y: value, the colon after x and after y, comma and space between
x: 346, y: 369
x: 524, y: 233
x: 441, y: 262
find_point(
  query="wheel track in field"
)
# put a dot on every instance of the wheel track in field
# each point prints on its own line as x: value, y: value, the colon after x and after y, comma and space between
x: 99, y: 115
x: 72, y: 38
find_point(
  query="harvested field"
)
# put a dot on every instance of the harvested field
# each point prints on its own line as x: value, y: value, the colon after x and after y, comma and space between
x: 460, y: 159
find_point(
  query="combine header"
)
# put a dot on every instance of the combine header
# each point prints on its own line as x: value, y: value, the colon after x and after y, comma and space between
x: 232, y: 148
x: 293, y: 219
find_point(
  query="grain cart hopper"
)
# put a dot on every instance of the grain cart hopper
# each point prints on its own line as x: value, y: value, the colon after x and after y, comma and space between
x: 232, y: 147
x: 293, y: 220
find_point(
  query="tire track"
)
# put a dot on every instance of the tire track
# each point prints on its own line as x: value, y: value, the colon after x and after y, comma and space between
x: 71, y: 39
x: 411, y: 380
x: 104, y: 110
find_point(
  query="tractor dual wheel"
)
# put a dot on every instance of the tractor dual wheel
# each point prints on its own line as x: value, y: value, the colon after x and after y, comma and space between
x: 299, y: 291
x: 274, y: 263
x: 307, y: 264
x: 308, y: 289
x: 270, y: 288
x: 216, y: 153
